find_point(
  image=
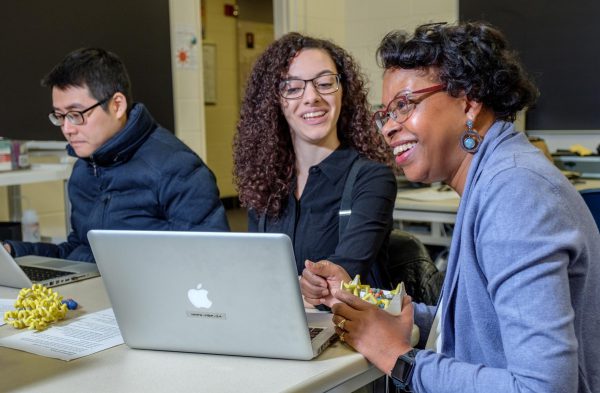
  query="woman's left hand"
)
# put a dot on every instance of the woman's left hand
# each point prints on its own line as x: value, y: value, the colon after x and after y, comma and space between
x: 320, y: 280
x: 378, y: 335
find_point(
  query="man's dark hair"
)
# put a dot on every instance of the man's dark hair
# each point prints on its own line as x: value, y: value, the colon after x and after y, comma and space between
x: 101, y: 71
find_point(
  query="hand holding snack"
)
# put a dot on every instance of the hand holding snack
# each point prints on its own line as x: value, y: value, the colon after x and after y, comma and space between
x: 380, y: 336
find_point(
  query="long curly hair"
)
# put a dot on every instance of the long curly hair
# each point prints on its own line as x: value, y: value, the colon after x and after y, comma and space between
x: 264, y: 158
x: 470, y: 57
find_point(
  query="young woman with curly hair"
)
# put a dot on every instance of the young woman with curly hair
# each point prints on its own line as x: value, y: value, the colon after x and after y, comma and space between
x: 305, y: 119
x: 520, y: 307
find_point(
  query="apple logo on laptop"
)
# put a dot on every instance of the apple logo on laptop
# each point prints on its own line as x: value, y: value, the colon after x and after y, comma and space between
x: 199, y: 297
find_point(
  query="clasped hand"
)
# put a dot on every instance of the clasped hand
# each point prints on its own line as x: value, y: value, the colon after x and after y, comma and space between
x: 378, y: 335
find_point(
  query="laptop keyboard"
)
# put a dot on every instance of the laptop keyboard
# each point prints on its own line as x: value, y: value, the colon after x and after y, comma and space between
x: 314, y: 332
x: 41, y: 274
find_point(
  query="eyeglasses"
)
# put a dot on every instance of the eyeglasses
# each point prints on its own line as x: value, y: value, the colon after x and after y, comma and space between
x: 402, y: 106
x: 74, y: 117
x: 293, y: 89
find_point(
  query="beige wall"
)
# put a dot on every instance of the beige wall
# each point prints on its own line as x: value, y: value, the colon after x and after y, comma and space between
x: 3, y: 204
x: 221, y: 118
x: 263, y: 36
x: 359, y: 25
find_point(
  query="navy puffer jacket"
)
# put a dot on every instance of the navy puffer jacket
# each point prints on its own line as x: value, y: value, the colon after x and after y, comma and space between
x: 143, y: 178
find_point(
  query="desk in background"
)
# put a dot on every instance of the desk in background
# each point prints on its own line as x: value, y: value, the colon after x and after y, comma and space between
x: 427, y: 213
x: 38, y: 173
x: 431, y: 219
x: 121, y: 369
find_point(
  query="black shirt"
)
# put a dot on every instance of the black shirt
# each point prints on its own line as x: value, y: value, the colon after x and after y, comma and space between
x: 312, y: 221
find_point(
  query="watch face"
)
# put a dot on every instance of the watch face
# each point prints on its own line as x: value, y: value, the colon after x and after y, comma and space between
x: 403, y: 369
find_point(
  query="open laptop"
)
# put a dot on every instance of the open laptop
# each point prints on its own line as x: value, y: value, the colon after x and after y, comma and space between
x: 208, y: 292
x: 24, y: 271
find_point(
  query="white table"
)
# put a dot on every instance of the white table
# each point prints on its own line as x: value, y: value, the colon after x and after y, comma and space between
x: 425, y: 218
x: 38, y: 173
x: 121, y: 369
x: 435, y: 216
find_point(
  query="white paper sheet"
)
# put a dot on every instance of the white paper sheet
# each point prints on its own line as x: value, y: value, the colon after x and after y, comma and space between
x: 6, y: 305
x: 84, y: 336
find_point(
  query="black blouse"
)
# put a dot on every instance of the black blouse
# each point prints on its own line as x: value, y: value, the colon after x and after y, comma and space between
x: 312, y: 221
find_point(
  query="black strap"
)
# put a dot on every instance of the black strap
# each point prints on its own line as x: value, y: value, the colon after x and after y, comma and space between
x: 346, y: 203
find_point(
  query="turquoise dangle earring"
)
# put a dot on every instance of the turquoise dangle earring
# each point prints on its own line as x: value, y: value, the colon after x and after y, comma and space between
x: 470, y: 139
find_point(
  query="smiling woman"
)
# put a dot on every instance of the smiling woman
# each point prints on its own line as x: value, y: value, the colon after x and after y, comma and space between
x: 305, y: 120
x: 519, y: 309
x: 312, y: 109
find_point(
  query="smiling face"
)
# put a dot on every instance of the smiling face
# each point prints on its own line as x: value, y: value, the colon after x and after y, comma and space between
x: 426, y: 145
x: 99, y: 126
x: 313, y: 117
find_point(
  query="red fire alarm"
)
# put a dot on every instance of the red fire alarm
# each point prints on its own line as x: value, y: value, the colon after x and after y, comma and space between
x: 231, y: 10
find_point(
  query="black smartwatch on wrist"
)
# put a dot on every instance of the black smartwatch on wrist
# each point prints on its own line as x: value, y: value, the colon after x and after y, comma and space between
x: 403, y: 370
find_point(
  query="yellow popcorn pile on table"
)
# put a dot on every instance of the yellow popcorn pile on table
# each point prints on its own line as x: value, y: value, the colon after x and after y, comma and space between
x: 36, y: 308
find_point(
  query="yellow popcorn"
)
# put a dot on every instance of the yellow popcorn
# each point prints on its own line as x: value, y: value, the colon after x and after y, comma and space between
x: 391, y: 301
x: 36, y: 308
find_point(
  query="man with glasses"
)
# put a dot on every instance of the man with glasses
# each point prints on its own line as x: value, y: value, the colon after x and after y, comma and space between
x: 131, y: 173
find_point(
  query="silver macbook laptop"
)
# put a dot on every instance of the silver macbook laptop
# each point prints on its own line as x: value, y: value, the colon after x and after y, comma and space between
x: 208, y: 292
x: 22, y: 272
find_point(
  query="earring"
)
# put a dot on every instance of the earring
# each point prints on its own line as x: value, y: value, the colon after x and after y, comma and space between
x: 470, y: 139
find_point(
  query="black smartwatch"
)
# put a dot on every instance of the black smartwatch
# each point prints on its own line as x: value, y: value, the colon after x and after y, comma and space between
x: 403, y: 370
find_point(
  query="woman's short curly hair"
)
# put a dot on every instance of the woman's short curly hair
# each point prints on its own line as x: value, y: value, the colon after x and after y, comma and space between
x: 471, y: 57
x: 264, y: 159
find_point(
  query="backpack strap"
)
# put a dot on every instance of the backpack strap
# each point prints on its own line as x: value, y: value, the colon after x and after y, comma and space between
x: 346, y: 203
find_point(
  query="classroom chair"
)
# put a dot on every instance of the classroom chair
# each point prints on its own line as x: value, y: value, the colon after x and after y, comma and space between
x: 592, y: 199
x: 409, y: 262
